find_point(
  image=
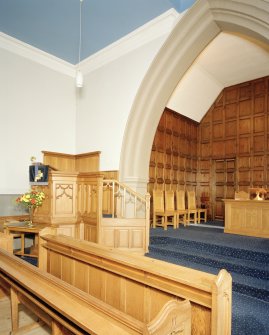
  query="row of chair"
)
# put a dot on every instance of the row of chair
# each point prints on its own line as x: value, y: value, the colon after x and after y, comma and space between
x: 169, y: 209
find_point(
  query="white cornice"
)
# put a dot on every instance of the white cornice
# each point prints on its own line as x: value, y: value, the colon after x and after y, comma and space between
x: 36, y: 55
x: 155, y: 28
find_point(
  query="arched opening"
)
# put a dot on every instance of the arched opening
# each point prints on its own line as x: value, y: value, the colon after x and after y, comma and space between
x: 204, y: 21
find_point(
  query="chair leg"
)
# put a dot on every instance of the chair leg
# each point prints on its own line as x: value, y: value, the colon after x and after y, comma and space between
x: 175, y: 221
x: 185, y: 219
x: 165, y: 222
x: 154, y: 221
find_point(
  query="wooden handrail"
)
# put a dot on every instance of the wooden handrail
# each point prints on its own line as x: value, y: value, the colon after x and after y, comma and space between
x: 139, y: 196
x: 121, y: 190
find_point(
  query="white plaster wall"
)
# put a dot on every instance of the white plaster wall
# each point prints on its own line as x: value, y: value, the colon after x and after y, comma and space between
x: 37, y: 112
x: 105, y: 102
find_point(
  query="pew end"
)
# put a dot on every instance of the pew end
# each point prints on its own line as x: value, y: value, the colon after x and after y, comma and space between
x: 174, y: 318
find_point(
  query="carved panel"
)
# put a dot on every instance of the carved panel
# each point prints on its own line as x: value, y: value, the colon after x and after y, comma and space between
x: 259, y: 124
x: 243, y: 162
x: 218, y: 131
x: 218, y: 149
x: 230, y: 148
x: 258, y: 161
x: 217, y: 115
x: 230, y: 128
x: 244, y: 126
x: 244, y: 145
x: 245, y: 108
x: 230, y: 111
x: 231, y: 95
x: 258, y: 143
x: 244, y: 177
x: 245, y: 91
x: 205, y: 132
x: 258, y: 177
x: 64, y: 195
x: 259, y: 104
x: 260, y: 86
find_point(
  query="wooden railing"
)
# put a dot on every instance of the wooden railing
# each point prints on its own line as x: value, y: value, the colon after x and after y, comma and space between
x: 123, y: 202
x: 68, y: 310
x: 87, y: 206
x: 125, y: 219
x: 140, y: 286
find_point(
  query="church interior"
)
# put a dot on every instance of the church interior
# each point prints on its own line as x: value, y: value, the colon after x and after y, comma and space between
x: 134, y: 184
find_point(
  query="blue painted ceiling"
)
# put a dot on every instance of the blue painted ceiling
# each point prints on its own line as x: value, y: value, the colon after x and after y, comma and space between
x: 53, y: 25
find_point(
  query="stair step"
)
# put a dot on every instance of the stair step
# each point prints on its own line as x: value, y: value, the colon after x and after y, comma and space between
x: 241, y: 266
x: 223, y: 250
x: 249, y: 315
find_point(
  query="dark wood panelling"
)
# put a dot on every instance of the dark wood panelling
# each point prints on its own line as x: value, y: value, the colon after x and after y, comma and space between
x: 245, y: 129
x: 227, y: 151
x: 173, y: 161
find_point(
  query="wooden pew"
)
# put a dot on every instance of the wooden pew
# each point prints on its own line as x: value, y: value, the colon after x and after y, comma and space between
x: 68, y: 310
x: 139, y: 286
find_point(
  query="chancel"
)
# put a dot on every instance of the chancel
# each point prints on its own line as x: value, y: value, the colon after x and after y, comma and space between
x: 153, y: 174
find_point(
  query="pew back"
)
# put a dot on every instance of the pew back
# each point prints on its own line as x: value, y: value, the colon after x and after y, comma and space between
x: 140, y: 286
x: 68, y: 310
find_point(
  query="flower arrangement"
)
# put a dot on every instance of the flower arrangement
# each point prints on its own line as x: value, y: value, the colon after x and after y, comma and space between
x: 31, y: 199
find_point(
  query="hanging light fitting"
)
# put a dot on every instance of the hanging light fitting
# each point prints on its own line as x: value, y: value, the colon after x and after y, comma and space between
x: 79, y: 76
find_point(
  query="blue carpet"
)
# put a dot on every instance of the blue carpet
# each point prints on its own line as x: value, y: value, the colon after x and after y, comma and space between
x: 209, y: 250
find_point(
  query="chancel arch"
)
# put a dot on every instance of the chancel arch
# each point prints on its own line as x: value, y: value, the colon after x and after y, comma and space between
x: 200, y: 25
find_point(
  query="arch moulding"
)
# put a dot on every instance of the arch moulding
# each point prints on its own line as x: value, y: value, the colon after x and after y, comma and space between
x: 199, y: 26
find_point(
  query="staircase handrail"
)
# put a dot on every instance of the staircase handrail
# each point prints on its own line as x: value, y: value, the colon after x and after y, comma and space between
x: 121, y: 206
x: 140, y: 196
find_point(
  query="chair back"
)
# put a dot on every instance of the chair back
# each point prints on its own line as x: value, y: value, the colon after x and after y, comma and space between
x: 180, y: 200
x: 169, y: 200
x: 158, y: 201
x: 191, y: 200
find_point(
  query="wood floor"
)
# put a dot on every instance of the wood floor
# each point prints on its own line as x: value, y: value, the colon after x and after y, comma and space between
x: 26, y: 318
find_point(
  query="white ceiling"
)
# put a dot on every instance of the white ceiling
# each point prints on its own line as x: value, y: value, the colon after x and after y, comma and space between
x: 228, y: 60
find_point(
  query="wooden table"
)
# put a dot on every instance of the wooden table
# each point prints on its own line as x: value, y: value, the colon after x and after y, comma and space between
x: 22, y: 231
x: 247, y: 217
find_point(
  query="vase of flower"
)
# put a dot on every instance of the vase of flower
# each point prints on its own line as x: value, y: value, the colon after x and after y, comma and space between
x: 31, y: 200
x: 31, y: 216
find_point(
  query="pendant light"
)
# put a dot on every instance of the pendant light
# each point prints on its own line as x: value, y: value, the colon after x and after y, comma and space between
x: 79, y: 76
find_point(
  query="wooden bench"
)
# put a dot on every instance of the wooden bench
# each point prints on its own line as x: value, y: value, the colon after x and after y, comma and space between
x: 68, y: 310
x: 139, y: 286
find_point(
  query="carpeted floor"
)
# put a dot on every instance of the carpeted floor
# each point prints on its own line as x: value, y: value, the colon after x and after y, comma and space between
x: 209, y: 249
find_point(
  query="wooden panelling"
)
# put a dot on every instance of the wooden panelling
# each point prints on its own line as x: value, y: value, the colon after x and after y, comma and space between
x: 247, y: 217
x: 173, y: 160
x: 230, y: 111
x: 235, y: 129
x: 86, y: 162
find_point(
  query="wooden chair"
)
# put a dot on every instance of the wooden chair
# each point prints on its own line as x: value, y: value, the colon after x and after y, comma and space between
x: 169, y: 205
x: 181, y: 207
x: 159, y: 210
x: 194, y: 213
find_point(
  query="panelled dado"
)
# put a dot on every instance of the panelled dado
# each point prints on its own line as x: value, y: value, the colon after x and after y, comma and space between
x: 226, y: 152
